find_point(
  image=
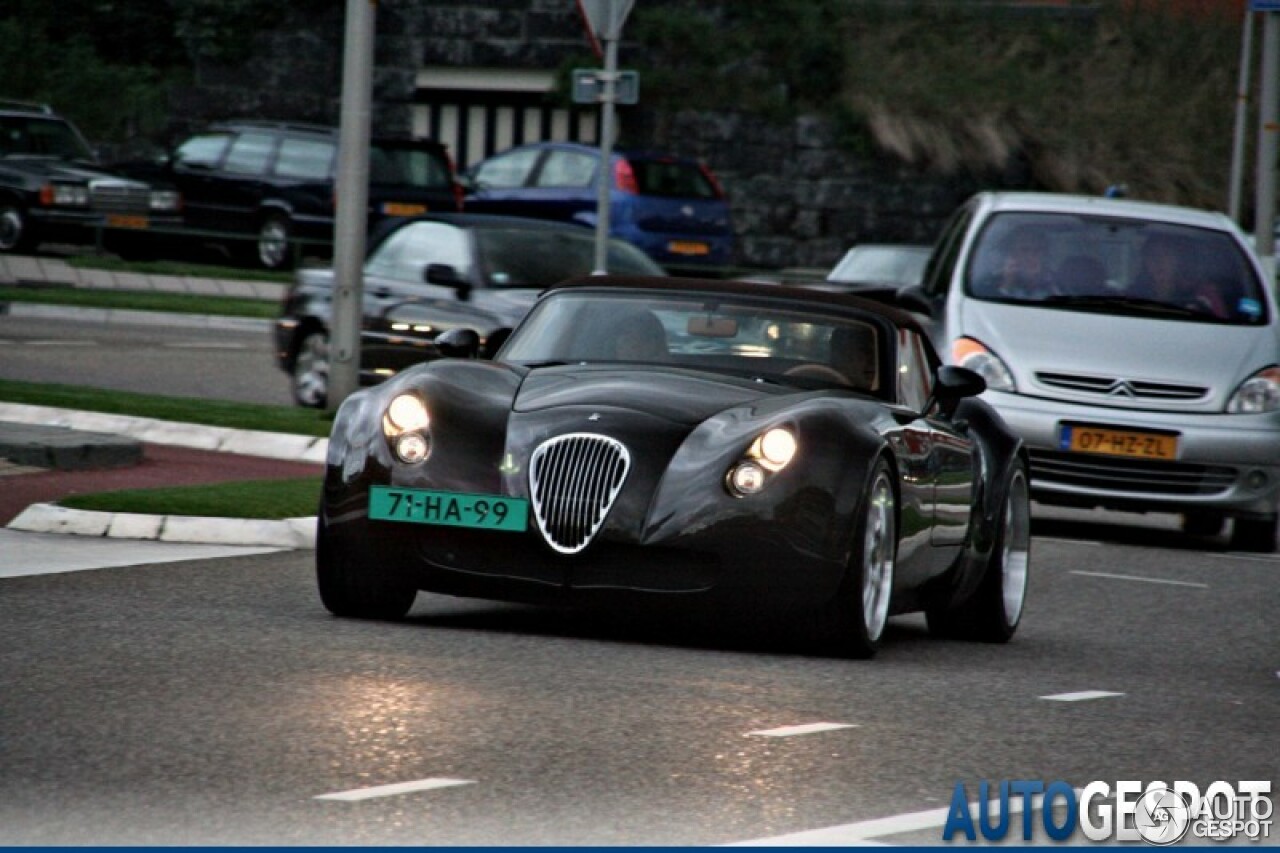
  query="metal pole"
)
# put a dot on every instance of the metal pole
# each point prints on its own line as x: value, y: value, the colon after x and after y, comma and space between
x: 1266, y: 178
x: 1242, y: 103
x: 353, y: 200
x: 608, y: 97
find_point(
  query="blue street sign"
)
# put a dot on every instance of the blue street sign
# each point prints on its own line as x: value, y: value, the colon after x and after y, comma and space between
x: 1264, y: 5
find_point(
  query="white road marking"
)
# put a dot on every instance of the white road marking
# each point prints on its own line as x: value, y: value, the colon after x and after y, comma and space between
x: 864, y: 832
x: 1137, y: 578
x: 393, y: 790
x: 205, y: 345
x: 67, y: 343
x: 1081, y: 696
x: 805, y: 729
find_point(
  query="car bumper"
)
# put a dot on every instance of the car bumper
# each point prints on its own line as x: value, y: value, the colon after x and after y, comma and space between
x: 1223, y: 462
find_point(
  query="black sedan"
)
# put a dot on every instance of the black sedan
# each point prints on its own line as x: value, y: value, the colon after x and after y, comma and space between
x: 681, y: 440
x: 425, y: 275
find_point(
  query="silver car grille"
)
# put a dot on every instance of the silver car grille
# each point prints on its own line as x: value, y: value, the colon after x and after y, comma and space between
x: 1115, y: 387
x: 108, y: 196
x: 1139, y: 476
x: 573, y: 481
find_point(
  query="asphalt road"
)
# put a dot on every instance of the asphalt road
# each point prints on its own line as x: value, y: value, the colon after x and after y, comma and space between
x: 172, y: 360
x: 216, y: 702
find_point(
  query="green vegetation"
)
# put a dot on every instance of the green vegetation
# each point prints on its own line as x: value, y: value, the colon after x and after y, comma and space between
x: 219, y: 413
x: 180, y: 268
x: 140, y: 300
x: 270, y: 499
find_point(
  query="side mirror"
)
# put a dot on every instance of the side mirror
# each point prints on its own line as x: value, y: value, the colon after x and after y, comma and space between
x: 912, y: 298
x: 494, y: 342
x: 458, y: 343
x: 952, y: 384
x: 447, y: 276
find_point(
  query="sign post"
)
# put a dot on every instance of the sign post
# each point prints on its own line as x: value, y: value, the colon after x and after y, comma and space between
x: 1268, y: 127
x: 604, y: 20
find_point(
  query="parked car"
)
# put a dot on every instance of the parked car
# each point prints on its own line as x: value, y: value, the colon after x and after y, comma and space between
x: 1133, y: 346
x: 432, y: 273
x: 881, y: 264
x: 671, y: 207
x: 266, y: 190
x: 681, y: 440
x: 53, y: 188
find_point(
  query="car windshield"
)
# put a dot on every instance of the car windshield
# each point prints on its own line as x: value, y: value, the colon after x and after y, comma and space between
x: 672, y: 178
x: 535, y: 257
x: 1116, y: 266
x: 405, y: 165
x: 41, y: 137
x: 763, y: 340
x: 900, y: 264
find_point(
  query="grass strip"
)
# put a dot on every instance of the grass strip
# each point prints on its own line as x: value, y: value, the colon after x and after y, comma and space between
x: 220, y: 413
x: 141, y: 300
x: 166, y: 267
x: 267, y: 499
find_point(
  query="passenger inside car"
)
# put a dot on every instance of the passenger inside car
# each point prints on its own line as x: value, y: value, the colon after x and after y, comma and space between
x: 638, y: 336
x: 1169, y: 274
x: 853, y: 354
x: 1019, y: 267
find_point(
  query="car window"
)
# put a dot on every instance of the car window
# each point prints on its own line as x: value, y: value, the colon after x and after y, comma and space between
x: 308, y: 159
x: 673, y: 179
x: 44, y: 137
x: 1114, y: 265
x: 408, y: 166
x: 406, y: 253
x: 524, y: 257
x: 205, y: 149
x: 939, y: 269
x: 509, y: 170
x: 915, y: 373
x: 249, y: 154
x: 566, y: 169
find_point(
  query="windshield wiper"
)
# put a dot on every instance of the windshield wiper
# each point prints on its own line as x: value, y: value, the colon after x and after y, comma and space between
x: 1122, y: 304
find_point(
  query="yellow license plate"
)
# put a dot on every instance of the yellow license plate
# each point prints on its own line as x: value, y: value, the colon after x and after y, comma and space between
x: 686, y: 247
x: 120, y: 220
x: 1116, y: 442
x: 392, y: 208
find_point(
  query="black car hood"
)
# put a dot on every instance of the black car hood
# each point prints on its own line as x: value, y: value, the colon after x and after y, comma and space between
x: 65, y: 170
x: 674, y: 394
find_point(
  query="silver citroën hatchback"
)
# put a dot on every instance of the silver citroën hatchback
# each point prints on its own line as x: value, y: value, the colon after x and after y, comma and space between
x: 1134, y: 346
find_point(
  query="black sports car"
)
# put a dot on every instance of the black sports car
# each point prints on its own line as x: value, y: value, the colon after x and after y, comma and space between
x: 715, y: 442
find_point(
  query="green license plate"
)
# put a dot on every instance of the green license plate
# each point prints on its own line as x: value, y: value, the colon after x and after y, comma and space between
x: 453, y: 509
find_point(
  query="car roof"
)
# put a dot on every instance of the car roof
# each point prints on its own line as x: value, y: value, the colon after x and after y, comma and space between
x: 1033, y: 202
x: 807, y: 296
x: 301, y: 127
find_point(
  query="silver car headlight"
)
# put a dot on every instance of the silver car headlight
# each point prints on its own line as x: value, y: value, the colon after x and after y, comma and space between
x: 407, y: 424
x: 1257, y: 394
x: 166, y: 200
x: 967, y: 352
x: 771, y: 451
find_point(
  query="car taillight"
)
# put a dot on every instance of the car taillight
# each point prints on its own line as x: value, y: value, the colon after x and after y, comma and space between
x: 711, y: 178
x: 624, y: 178
x: 458, y: 192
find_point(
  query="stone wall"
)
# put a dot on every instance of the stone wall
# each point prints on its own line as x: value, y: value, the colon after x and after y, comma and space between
x: 798, y: 198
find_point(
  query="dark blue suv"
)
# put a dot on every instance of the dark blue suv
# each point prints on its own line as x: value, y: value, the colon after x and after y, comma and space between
x: 671, y: 207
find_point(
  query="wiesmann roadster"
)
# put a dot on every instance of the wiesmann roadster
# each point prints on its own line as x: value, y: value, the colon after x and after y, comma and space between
x: 728, y: 444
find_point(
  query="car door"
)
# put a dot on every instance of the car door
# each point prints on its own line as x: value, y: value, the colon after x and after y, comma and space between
x: 241, y: 182
x: 192, y: 169
x: 499, y: 184
x: 563, y: 186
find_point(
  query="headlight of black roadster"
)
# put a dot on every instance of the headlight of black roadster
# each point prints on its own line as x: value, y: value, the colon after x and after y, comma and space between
x: 407, y: 425
x: 772, y: 451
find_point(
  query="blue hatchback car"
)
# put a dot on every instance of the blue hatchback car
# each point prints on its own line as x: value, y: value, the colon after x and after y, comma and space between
x: 671, y: 207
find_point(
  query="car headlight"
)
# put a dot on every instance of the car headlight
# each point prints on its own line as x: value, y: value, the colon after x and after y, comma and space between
x: 64, y: 195
x: 771, y: 451
x: 1257, y: 394
x: 406, y: 423
x: 966, y: 352
x: 166, y: 200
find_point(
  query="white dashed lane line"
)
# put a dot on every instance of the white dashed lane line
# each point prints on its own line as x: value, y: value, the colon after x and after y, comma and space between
x: 1113, y: 577
x: 1081, y: 696
x: 394, y: 790
x: 74, y: 343
x: 805, y: 729
x: 204, y: 345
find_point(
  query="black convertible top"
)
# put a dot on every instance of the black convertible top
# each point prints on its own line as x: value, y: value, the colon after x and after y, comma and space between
x: 803, y: 295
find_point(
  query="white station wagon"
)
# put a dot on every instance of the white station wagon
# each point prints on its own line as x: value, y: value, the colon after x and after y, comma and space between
x: 1133, y: 346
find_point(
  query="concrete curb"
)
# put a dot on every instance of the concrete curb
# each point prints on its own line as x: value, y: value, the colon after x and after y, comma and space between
x: 293, y: 533
x: 133, y: 317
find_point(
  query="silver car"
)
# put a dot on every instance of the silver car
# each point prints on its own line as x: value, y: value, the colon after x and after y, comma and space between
x: 1133, y: 345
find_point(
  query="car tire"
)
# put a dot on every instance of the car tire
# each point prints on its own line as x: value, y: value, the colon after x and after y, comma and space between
x: 355, y: 588
x: 852, y: 624
x: 16, y: 232
x: 994, y: 610
x: 275, y: 242
x: 311, y: 371
x: 1255, y: 535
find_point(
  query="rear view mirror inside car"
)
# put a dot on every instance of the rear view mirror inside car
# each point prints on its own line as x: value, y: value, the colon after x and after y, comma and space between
x: 712, y: 327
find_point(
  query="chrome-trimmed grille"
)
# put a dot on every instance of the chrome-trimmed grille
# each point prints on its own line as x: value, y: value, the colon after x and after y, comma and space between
x: 1118, y: 474
x: 114, y: 196
x: 1115, y: 387
x: 573, y: 482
